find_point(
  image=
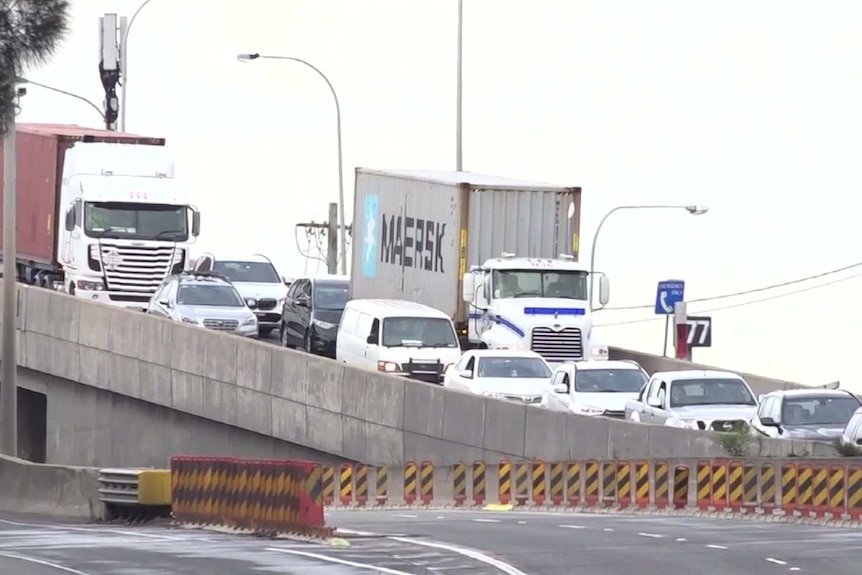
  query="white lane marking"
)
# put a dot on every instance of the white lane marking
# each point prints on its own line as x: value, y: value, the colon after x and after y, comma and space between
x: 405, y: 516
x: 716, y: 547
x: 522, y: 522
x: 43, y: 526
x: 680, y: 539
x: 776, y: 561
x: 607, y: 529
x: 486, y: 520
x: 794, y: 569
x: 440, y: 517
x: 572, y: 526
x: 376, y: 568
x: 653, y: 535
x: 43, y: 563
x: 471, y: 553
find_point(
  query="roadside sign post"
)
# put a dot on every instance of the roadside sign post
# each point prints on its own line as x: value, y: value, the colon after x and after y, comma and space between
x: 667, y: 295
x: 681, y: 331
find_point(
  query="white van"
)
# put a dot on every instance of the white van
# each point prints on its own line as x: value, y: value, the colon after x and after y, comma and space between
x: 398, y: 337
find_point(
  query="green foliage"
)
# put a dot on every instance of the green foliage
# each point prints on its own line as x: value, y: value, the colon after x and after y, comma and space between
x: 30, y: 31
x: 735, y: 443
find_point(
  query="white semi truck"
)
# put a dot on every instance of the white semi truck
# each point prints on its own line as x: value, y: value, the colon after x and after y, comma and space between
x: 498, y: 255
x: 105, y: 218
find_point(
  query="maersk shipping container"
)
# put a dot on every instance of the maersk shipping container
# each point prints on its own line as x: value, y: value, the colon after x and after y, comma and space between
x: 418, y: 232
x: 40, y: 149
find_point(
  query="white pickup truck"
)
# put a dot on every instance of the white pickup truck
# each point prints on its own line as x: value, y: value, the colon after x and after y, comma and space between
x: 694, y: 399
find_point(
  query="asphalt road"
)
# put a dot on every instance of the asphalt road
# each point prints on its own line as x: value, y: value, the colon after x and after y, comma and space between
x: 573, y: 544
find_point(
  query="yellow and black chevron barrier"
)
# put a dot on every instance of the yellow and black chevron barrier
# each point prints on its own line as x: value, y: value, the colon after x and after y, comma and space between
x: 837, y: 491
x: 538, y: 483
x: 274, y: 496
x: 642, y: 483
x: 410, y: 482
x: 788, y: 486
x: 557, y: 481
x: 573, y: 482
x: 522, y: 482
x: 804, y: 485
x: 662, y: 484
x: 734, y: 485
x: 681, y: 474
x: 820, y: 490
x: 768, y: 491
x: 719, y: 484
x: 345, y: 485
x: 460, y: 481
x: 854, y: 492
x: 328, y: 485
x: 426, y: 482
x: 479, y: 471
x: 749, y: 486
x: 381, y: 485
x: 609, y: 483
x: 703, y: 484
x: 624, y: 483
x: 592, y: 483
x: 504, y: 484
x: 361, y: 484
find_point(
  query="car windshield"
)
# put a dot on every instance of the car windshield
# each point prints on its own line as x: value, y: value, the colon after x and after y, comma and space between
x: 249, y: 272
x: 137, y: 221
x: 513, y: 367
x: 331, y: 295
x: 418, y: 332
x: 717, y: 391
x: 609, y: 380
x: 209, y: 295
x: 539, y: 283
x: 835, y: 411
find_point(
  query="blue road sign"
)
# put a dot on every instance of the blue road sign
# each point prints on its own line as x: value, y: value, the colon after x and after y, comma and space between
x: 669, y: 292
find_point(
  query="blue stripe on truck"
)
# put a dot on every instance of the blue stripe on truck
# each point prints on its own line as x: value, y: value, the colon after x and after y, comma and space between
x: 554, y: 310
x: 501, y: 321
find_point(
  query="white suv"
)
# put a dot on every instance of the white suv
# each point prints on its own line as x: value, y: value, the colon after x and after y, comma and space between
x: 257, y: 281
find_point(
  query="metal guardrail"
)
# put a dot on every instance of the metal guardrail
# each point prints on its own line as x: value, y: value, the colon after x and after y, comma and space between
x: 135, y: 487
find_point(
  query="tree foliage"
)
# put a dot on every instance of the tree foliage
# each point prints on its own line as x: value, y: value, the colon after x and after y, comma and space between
x: 30, y: 31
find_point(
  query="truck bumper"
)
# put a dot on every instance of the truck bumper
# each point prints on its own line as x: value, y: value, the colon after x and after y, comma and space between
x: 101, y: 296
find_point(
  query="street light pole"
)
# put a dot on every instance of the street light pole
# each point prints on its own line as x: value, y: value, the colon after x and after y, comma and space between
x: 343, y: 230
x: 693, y: 210
x: 459, y: 92
x: 65, y: 93
x: 9, y: 368
x: 124, y: 63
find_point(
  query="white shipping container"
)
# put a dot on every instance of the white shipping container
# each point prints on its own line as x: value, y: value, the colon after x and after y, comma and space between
x: 417, y: 232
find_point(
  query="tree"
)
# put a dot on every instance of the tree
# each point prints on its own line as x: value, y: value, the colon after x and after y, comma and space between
x: 30, y: 31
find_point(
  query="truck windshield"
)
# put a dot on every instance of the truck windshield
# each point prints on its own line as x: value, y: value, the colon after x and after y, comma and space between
x: 686, y: 392
x: 209, y: 295
x: 418, y: 332
x: 609, y: 380
x: 134, y: 220
x: 540, y: 283
x: 252, y: 272
x: 819, y: 410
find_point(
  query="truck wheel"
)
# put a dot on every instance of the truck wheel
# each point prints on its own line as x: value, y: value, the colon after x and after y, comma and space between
x: 71, y: 289
x: 307, y: 342
x: 283, y: 336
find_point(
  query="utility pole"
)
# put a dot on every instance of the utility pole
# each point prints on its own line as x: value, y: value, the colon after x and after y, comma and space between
x: 109, y: 68
x: 9, y: 367
x: 330, y: 230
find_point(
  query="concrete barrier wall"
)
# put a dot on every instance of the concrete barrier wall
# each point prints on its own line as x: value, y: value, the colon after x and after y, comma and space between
x: 312, y: 401
x: 49, y: 489
x: 654, y: 363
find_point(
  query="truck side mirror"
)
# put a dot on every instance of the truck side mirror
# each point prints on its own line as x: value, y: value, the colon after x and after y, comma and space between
x: 468, y: 288
x: 768, y: 421
x: 604, y: 290
x: 196, y: 223
x: 561, y: 389
x: 654, y: 402
x: 70, y: 219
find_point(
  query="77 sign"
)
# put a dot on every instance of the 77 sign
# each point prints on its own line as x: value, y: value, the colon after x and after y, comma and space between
x: 699, y: 331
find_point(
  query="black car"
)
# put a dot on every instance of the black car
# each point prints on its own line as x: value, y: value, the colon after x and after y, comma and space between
x: 311, y: 313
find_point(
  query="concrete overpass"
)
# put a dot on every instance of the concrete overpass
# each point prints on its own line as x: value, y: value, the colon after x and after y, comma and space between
x: 110, y: 387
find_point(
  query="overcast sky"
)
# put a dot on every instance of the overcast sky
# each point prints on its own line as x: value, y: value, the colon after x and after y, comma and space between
x: 751, y: 108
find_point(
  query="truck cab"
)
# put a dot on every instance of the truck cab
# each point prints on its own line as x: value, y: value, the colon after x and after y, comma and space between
x: 534, y: 304
x: 128, y: 225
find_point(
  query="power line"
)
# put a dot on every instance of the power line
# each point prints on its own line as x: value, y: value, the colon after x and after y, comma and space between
x: 747, y: 292
x: 732, y: 306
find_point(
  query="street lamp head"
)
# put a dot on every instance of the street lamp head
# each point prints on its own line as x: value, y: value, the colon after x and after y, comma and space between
x: 247, y: 57
x: 697, y: 210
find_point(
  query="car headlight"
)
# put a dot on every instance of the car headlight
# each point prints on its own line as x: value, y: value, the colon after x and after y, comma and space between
x: 94, y: 252
x: 388, y: 366
x: 588, y: 409
x: 322, y: 324
x: 688, y: 423
x: 187, y: 319
x: 249, y: 321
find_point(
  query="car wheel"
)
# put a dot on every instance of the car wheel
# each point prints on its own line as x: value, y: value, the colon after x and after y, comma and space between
x: 283, y: 336
x: 306, y: 344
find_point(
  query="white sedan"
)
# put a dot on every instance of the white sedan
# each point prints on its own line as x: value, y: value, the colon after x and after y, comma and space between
x: 519, y: 376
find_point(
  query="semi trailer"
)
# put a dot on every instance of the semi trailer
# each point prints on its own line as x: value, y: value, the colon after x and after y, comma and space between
x: 99, y: 214
x: 499, y: 256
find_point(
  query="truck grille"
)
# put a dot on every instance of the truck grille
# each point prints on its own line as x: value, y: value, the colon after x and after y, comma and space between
x: 221, y: 324
x: 266, y: 303
x: 530, y: 399
x: 136, y: 270
x: 558, y: 346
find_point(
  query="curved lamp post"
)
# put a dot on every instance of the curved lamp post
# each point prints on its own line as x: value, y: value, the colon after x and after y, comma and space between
x: 343, y: 231
x: 124, y: 63
x: 65, y: 93
x: 693, y: 210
